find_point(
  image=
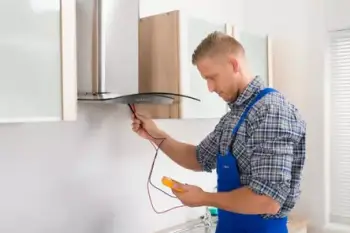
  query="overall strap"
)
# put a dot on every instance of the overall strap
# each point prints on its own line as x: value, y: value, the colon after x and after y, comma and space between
x: 259, y: 96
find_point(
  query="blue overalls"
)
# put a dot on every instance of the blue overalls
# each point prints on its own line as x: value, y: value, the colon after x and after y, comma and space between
x: 229, y: 179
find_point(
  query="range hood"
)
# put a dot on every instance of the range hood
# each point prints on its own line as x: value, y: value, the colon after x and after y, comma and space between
x: 99, y: 85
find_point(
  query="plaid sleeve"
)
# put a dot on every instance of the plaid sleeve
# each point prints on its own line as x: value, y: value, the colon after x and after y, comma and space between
x: 207, y: 150
x: 271, y: 163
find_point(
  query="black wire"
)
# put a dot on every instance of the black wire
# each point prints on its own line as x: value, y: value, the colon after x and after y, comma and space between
x: 149, y: 180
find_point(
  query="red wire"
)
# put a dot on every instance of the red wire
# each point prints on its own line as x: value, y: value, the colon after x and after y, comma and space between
x: 149, y: 180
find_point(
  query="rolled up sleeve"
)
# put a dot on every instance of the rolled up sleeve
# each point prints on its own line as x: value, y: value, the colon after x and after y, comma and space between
x: 271, y: 162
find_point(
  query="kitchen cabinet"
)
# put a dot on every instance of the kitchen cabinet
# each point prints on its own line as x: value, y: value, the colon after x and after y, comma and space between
x: 37, y: 60
x: 258, y: 51
x: 166, y: 44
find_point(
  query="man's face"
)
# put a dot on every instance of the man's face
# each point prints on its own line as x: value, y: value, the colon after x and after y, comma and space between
x: 222, y: 76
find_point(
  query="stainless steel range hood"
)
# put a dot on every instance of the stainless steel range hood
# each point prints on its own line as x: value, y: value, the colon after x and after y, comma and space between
x: 99, y: 85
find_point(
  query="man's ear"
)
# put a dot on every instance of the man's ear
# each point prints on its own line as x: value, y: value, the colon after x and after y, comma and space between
x: 234, y: 63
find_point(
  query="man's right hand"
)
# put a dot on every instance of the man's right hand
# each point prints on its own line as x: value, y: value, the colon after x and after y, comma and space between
x: 181, y: 153
x: 146, y: 128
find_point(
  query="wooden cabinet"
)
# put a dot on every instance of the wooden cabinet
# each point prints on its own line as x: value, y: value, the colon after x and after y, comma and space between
x: 166, y: 44
x: 37, y: 60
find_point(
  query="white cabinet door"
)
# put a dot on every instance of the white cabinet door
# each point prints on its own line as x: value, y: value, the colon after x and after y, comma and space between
x: 37, y: 60
x: 258, y: 52
x: 192, y: 32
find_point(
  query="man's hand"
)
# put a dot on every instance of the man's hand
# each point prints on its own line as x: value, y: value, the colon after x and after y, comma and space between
x: 192, y: 196
x: 146, y: 128
x: 241, y: 200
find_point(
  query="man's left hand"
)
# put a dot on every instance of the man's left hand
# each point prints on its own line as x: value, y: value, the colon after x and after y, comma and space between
x: 191, y: 195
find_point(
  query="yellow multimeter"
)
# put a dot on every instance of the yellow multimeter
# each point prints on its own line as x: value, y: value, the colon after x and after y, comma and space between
x: 171, y: 183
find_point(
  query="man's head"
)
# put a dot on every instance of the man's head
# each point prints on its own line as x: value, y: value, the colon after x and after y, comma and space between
x: 221, y: 61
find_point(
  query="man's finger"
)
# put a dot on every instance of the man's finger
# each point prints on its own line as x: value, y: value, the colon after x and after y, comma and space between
x: 136, y: 121
x: 141, y: 117
x: 178, y: 187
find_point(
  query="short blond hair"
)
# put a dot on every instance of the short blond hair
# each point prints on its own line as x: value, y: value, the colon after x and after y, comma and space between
x: 216, y: 43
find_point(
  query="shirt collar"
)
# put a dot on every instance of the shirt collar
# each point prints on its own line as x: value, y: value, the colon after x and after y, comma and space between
x: 253, y: 88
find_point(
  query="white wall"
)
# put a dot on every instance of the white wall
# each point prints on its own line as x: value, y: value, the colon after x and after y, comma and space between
x: 61, y: 177
x: 222, y: 10
x: 55, y: 175
x: 337, y: 15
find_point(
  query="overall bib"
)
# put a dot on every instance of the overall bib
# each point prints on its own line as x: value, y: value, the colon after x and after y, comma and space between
x: 229, y: 179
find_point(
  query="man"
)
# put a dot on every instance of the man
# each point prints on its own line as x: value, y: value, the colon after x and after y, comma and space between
x: 257, y: 149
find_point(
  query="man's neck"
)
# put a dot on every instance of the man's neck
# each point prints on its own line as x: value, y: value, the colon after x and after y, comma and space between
x: 245, y: 80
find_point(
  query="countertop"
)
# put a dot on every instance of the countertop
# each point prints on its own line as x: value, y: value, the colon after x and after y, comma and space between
x: 295, y: 225
x: 192, y: 226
